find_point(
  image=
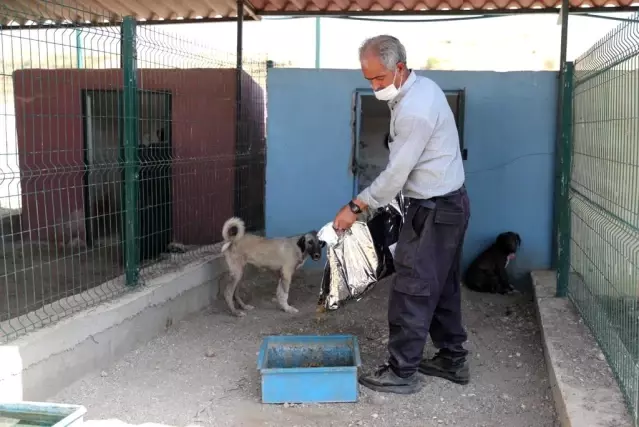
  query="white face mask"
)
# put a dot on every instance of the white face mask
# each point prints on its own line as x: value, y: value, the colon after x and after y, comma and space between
x: 389, y: 92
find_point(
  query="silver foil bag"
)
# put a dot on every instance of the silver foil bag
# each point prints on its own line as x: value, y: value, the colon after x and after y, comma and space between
x: 361, y: 256
x: 352, y: 264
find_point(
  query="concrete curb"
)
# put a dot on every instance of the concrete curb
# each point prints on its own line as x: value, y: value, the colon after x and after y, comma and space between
x: 39, y: 364
x: 585, y: 391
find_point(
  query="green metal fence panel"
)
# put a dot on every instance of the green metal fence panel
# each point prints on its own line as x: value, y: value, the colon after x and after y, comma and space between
x: 210, y: 167
x: 118, y: 157
x: 604, y: 200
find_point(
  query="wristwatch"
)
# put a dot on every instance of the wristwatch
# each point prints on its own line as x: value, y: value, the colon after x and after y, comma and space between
x: 354, y: 208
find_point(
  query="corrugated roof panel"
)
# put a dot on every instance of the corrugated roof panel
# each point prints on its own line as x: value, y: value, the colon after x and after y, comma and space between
x: 421, y: 5
x: 100, y: 11
x: 22, y: 12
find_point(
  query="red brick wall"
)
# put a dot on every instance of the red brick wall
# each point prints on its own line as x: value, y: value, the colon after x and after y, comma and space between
x: 51, y: 141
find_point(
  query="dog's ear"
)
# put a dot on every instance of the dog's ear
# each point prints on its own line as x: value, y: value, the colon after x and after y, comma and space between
x: 322, y: 243
x: 505, y: 241
x: 301, y: 243
x: 518, y: 239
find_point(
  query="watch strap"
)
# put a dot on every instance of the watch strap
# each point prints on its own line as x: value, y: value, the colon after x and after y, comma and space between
x: 354, y: 208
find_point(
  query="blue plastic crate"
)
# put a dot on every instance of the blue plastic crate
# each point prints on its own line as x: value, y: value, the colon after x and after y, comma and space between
x: 42, y: 414
x: 309, y: 369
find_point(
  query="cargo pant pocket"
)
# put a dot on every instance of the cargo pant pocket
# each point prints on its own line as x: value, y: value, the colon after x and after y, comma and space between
x: 410, y: 256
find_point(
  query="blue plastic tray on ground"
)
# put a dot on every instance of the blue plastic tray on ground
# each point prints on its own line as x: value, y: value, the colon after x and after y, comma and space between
x: 309, y: 368
x: 41, y: 414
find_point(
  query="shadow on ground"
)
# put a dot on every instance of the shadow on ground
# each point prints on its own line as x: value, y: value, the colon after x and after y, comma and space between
x: 203, y: 370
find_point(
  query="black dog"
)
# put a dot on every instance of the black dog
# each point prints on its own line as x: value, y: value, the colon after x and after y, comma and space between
x: 487, y: 273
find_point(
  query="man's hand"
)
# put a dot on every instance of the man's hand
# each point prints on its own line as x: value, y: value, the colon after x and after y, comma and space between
x: 345, y: 218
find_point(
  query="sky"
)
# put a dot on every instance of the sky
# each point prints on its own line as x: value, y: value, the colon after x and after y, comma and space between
x: 522, y: 42
x: 511, y: 43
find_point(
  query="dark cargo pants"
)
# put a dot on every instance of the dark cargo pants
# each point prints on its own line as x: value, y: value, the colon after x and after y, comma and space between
x: 426, y: 296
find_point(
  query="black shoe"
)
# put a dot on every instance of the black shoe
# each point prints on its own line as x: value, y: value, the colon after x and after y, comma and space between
x: 445, y: 365
x: 386, y: 381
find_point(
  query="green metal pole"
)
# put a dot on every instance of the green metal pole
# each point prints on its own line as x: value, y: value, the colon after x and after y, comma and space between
x: 79, y: 51
x: 563, y: 49
x: 318, y: 41
x: 565, y: 163
x: 130, y: 132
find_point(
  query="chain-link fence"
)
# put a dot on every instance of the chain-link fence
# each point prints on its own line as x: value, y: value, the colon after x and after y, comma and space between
x: 603, y: 280
x: 123, y: 149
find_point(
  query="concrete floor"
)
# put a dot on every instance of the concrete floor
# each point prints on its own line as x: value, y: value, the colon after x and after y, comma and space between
x: 202, y: 371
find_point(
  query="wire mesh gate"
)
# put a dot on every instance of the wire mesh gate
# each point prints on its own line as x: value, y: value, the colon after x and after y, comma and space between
x: 122, y: 154
x: 599, y: 198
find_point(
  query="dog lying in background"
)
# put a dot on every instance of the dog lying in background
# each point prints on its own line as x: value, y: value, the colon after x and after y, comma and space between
x: 487, y: 273
x: 285, y: 255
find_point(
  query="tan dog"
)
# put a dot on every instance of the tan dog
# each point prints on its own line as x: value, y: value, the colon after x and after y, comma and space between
x: 285, y: 255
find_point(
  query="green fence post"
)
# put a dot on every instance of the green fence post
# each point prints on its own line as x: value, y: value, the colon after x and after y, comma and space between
x: 130, y: 125
x: 565, y: 162
x: 318, y: 42
x: 79, y: 50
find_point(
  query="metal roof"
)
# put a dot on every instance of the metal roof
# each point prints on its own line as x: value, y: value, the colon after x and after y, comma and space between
x: 354, y: 7
x: 103, y: 12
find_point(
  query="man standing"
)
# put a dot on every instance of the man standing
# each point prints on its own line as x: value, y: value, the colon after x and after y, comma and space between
x: 425, y: 162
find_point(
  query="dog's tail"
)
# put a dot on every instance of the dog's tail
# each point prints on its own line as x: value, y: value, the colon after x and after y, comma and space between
x: 233, y: 229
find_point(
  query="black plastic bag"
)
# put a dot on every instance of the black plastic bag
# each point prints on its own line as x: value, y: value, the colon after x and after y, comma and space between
x: 384, y: 227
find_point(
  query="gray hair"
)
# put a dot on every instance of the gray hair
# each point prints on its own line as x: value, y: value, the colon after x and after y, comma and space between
x: 387, y: 48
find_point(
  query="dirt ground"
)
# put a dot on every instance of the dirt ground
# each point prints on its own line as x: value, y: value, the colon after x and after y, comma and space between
x: 34, y: 274
x: 202, y: 371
